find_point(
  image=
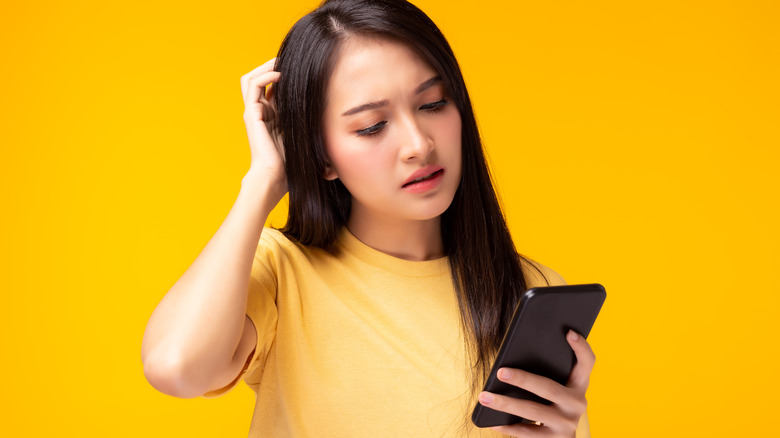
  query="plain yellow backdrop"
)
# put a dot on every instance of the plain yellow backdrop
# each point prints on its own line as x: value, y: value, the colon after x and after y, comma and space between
x: 635, y: 144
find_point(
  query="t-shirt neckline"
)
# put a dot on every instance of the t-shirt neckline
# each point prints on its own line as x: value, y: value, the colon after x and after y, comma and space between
x: 367, y: 254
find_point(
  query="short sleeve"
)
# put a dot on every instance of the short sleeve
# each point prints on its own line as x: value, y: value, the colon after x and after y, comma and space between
x: 261, y: 306
x: 583, y: 427
x: 537, y: 274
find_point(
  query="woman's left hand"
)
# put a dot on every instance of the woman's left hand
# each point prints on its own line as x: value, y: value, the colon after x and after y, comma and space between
x: 558, y: 419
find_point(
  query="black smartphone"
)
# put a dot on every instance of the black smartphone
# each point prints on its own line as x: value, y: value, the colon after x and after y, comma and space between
x: 536, y: 341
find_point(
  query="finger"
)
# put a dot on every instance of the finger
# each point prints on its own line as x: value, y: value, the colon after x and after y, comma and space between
x: 257, y: 84
x: 580, y: 374
x: 522, y: 430
x: 268, y: 65
x: 522, y: 408
x: 256, y: 87
x: 265, y: 67
x: 270, y: 91
x: 270, y: 94
x: 542, y: 386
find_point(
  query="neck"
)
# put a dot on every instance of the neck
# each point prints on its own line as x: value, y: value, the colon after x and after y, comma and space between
x: 408, y: 240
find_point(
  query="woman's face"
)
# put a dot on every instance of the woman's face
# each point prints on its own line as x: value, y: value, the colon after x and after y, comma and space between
x: 392, y: 134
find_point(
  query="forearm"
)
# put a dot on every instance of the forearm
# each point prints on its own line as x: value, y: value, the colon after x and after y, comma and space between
x: 192, y: 335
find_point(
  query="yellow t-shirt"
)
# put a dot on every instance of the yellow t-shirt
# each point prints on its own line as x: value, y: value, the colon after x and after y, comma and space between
x: 357, y: 343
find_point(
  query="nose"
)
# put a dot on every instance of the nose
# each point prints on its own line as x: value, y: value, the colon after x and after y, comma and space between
x: 415, y: 141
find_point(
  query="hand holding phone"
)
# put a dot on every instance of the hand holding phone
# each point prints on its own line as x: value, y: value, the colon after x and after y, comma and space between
x: 541, y: 360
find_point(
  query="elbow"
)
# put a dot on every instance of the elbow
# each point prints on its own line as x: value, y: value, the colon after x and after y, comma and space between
x: 169, y: 376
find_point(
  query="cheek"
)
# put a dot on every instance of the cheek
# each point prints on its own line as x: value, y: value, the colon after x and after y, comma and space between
x: 456, y: 131
x: 450, y: 131
x: 351, y: 161
x: 337, y: 148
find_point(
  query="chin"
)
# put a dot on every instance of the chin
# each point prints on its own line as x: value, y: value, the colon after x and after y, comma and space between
x: 432, y: 211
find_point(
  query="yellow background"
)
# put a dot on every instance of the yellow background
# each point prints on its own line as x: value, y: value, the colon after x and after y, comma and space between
x: 635, y: 144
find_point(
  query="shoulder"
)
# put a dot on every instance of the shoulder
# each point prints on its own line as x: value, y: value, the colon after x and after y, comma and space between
x: 275, y: 249
x: 537, y: 274
x: 275, y: 241
x: 276, y: 257
x: 278, y: 249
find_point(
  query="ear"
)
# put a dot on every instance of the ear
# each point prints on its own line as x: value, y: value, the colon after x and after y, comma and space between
x: 330, y: 173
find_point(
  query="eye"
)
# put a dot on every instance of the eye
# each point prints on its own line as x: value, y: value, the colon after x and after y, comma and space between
x: 435, y: 106
x: 371, y: 130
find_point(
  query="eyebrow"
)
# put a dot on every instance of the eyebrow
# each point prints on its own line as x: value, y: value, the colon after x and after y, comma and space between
x: 380, y: 103
x: 427, y: 84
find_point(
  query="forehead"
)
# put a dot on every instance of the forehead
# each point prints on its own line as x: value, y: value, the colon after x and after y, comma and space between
x: 372, y: 67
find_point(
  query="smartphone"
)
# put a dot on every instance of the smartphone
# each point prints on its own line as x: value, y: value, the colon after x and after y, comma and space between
x: 536, y: 342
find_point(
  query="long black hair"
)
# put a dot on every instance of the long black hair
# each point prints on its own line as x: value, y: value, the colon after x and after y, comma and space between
x: 485, y: 266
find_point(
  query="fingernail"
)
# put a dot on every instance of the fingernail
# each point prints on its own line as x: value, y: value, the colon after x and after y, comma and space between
x: 504, y: 374
x: 573, y: 336
x: 486, y: 398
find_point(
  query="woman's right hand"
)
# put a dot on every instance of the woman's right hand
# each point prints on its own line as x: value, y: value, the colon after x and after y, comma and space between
x: 262, y: 129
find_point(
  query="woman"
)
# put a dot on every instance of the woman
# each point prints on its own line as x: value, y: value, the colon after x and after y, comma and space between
x: 378, y: 308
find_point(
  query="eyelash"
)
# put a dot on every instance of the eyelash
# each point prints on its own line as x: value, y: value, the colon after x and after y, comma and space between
x: 432, y: 107
x: 435, y: 106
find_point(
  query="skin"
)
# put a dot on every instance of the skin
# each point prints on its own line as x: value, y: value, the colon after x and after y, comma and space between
x: 559, y: 419
x: 188, y: 350
x: 376, y: 150
x: 407, y: 226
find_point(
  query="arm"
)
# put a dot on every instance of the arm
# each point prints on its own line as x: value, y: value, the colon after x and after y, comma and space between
x: 199, y: 337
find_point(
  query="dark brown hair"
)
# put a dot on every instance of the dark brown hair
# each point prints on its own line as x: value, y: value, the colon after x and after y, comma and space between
x: 485, y: 266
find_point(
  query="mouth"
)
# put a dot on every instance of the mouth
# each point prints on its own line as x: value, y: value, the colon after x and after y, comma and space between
x: 430, y: 176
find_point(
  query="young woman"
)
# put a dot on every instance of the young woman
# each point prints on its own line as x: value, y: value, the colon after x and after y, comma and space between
x: 378, y: 308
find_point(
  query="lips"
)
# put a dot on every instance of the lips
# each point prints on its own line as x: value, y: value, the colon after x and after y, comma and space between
x: 424, y: 178
x: 424, y: 174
